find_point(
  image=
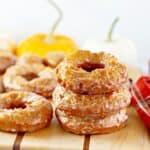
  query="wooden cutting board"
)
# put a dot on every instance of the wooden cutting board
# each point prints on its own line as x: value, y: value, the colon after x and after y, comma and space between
x: 133, y: 137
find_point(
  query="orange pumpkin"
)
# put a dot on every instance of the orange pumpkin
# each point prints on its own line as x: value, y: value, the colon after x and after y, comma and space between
x: 37, y: 44
x: 41, y: 44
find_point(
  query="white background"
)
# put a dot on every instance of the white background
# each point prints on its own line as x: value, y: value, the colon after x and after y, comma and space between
x: 82, y: 19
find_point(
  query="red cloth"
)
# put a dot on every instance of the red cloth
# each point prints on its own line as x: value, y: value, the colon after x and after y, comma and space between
x: 140, y: 92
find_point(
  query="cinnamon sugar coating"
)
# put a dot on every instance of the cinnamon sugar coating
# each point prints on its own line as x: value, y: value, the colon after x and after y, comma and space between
x: 84, y: 72
x: 96, y: 106
x: 24, y: 112
x: 88, y: 125
x: 34, y: 78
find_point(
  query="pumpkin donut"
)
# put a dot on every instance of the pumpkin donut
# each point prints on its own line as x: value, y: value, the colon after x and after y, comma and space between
x: 97, y: 106
x: 89, y: 125
x: 35, y: 78
x: 29, y: 59
x: 6, y: 60
x: 24, y: 112
x: 84, y: 72
x: 52, y: 59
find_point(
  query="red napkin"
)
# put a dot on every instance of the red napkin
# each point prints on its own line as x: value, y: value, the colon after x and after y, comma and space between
x: 140, y: 92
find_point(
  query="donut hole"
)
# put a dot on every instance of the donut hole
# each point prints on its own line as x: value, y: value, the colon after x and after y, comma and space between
x: 16, y: 105
x: 89, y: 67
x: 30, y: 76
x: 45, y: 63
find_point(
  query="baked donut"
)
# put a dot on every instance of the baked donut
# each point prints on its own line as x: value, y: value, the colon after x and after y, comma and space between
x: 29, y: 59
x: 84, y: 72
x: 52, y: 59
x: 6, y: 60
x: 24, y: 112
x: 96, y: 106
x: 35, y: 78
x: 88, y: 125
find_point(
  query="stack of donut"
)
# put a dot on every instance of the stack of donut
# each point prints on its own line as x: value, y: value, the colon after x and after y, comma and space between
x: 26, y: 85
x: 91, y: 97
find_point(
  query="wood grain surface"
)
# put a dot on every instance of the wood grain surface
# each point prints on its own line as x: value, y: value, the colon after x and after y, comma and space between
x: 134, y: 136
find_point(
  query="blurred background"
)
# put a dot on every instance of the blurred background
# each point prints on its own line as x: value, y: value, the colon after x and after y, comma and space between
x: 83, y: 19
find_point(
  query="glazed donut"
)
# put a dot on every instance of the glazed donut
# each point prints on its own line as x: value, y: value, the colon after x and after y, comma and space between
x: 24, y: 112
x: 6, y: 60
x: 84, y: 72
x: 29, y: 59
x: 88, y: 125
x: 52, y: 59
x: 35, y: 78
x: 97, y: 106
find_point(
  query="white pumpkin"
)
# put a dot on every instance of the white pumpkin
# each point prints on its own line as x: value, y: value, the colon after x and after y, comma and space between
x: 121, y: 47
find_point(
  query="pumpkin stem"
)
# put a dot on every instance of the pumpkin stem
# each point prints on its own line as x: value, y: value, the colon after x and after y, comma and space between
x: 111, y: 30
x: 56, y: 23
